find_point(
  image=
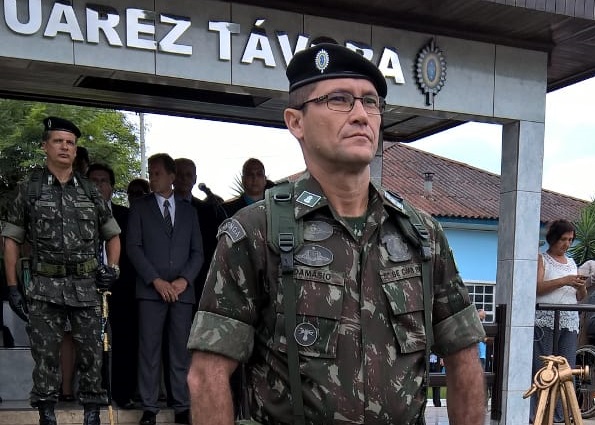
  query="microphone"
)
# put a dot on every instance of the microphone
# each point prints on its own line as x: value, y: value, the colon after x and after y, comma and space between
x: 213, y: 199
x: 203, y: 188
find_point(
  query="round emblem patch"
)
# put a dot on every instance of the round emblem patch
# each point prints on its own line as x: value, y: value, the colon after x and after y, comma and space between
x: 321, y: 60
x: 305, y: 334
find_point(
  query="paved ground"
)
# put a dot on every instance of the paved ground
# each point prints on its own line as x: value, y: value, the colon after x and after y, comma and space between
x: 438, y: 416
x: 19, y: 413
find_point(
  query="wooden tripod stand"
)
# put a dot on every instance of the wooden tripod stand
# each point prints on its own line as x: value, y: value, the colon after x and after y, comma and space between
x: 555, y: 380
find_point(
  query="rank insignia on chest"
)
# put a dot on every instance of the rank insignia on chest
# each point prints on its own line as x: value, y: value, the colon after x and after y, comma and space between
x: 308, y: 199
x: 305, y: 334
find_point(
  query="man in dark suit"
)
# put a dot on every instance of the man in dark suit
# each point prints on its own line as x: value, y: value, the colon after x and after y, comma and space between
x: 122, y: 303
x: 210, y: 215
x: 165, y: 247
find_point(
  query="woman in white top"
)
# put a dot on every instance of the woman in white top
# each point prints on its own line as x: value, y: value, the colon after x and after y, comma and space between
x: 558, y: 282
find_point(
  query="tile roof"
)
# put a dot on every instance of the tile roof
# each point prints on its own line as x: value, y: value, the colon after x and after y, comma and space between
x: 458, y: 189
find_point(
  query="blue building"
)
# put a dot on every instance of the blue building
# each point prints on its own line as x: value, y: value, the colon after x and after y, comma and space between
x: 465, y: 200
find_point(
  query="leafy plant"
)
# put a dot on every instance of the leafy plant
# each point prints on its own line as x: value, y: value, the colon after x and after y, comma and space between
x: 237, y: 186
x: 107, y: 134
x: 584, y: 248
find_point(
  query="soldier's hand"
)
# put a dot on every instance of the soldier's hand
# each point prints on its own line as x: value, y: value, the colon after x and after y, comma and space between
x: 17, y: 303
x: 106, y: 277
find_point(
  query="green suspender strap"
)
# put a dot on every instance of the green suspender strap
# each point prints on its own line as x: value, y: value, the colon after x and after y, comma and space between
x: 281, y: 223
x: 33, y: 194
x: 418, y: 235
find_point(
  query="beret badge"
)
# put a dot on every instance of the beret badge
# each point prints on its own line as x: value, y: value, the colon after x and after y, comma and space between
x: 321, y: 60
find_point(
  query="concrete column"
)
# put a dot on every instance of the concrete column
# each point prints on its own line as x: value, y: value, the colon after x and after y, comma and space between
x: 376, y: 164
x: 518, y: 239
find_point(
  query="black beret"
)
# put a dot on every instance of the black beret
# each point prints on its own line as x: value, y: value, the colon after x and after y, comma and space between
x: 325, y: 61
x: 60, y: 124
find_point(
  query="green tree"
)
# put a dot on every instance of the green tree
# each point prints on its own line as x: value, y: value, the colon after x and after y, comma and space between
x: 108, y: 135
x: 584, y: 248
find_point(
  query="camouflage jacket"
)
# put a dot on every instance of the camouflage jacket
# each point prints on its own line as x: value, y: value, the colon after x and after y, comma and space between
x: 67, y: 226
x: 360, y: 333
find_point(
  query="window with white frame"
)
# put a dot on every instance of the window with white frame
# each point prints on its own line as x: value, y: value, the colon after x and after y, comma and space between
x: 483, y: 295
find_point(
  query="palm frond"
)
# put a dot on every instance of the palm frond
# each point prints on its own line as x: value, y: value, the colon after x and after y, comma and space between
x: 584, y: 248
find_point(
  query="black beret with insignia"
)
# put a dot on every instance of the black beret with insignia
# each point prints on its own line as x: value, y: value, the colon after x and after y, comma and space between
x: 60, y: 124
x: 325, y: 61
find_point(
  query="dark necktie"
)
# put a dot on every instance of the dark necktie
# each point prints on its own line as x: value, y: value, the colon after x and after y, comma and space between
x: 167, y: 217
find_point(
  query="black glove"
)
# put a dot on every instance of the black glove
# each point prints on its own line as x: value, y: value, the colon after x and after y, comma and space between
x: 106, y: 276
x: 17, y: 303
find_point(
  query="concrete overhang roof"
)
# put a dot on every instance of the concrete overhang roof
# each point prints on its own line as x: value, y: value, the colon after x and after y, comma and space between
x: 565, y: 30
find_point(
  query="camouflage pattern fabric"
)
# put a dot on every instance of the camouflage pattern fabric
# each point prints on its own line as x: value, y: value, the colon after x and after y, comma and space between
x: 66, y: 224
x: 46, y: 328
x: 360, y: 329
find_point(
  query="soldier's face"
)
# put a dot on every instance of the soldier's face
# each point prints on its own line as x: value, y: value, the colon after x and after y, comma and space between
x: 333, y: 140
x: 60, y: 148
x: 102, y: 181
x: 159, y: 179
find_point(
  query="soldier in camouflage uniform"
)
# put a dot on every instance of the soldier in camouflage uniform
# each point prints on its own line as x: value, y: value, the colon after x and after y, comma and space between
x: 63, y: 223
x: 360, y: 327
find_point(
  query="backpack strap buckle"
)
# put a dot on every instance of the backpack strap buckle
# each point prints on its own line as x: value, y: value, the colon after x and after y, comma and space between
x: 286, y: 244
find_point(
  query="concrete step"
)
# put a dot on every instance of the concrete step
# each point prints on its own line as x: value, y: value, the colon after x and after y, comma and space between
x: 12, y: 413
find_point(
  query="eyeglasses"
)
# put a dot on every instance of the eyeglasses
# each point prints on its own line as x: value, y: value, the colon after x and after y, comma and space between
x: 343, y: 102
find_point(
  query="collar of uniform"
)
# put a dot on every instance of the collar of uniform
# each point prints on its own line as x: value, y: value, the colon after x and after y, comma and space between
x: 50, y: 179
x: 306, y: 184
x: 392, y: 200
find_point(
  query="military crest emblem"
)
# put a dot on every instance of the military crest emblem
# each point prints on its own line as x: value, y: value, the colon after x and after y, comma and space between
x: 321, y: 60
x: 430, y: 71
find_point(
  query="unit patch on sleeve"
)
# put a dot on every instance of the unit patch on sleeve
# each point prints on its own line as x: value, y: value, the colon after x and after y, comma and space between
x: 232, y: 228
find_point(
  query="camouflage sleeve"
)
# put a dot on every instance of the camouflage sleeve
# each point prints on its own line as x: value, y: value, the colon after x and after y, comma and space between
x: 229, y: 302
x: 455, y: 319
x: 14, y: 222
x: 108, y: 227
x: 222, y: 335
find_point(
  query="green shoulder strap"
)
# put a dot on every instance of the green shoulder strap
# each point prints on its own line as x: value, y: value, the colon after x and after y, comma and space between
x: 418, y: 235
x: 284, y: 235
x: 34, y: 186
x: 93, y: 194
x: 34, y: 193
x: 89, y: 188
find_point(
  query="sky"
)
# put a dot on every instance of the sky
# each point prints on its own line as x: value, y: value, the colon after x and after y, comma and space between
x: 219, y: 149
